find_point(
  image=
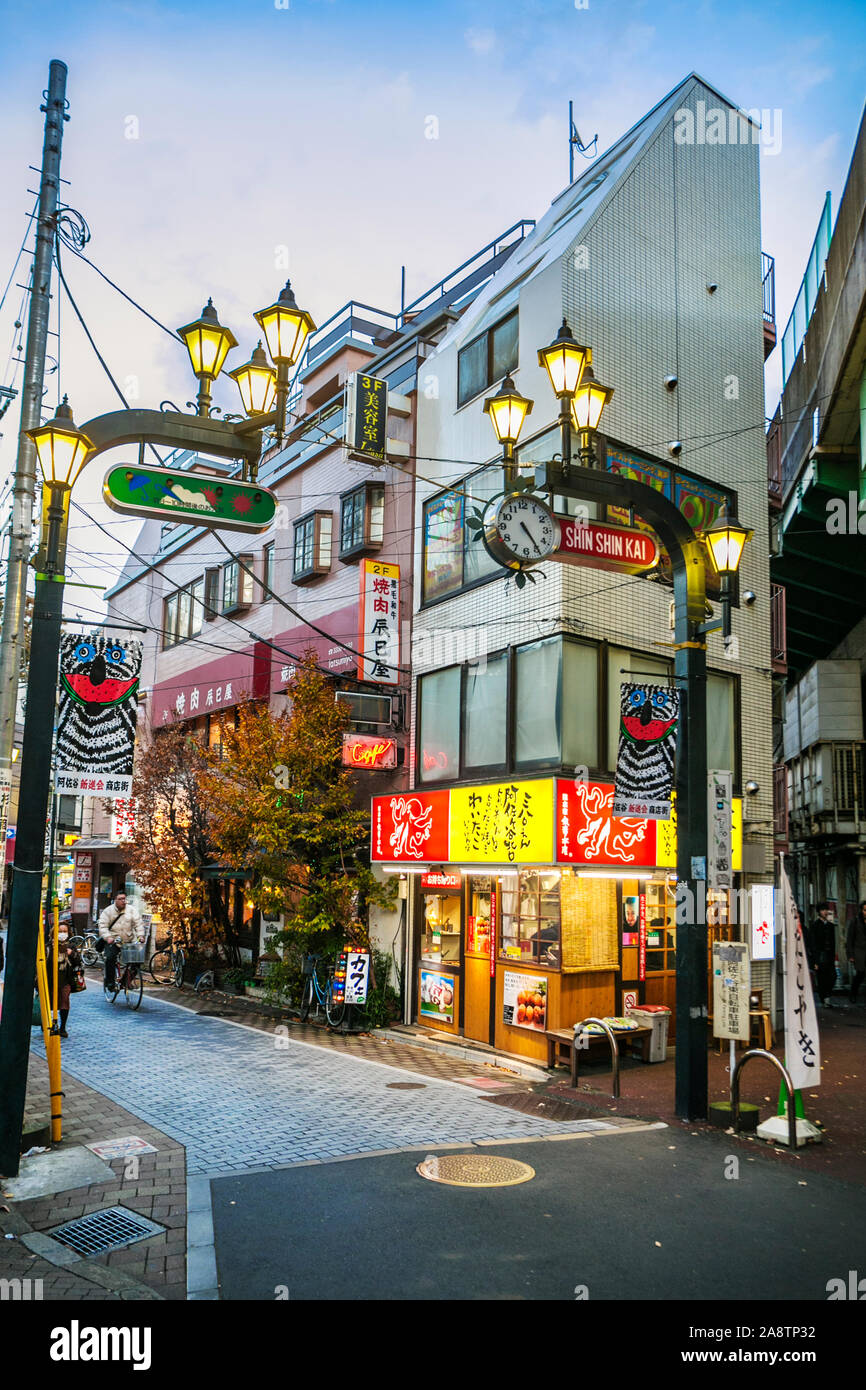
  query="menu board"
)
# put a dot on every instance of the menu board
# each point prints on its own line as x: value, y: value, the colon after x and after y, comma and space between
x: 590, y: 924
x: 524, y: 1000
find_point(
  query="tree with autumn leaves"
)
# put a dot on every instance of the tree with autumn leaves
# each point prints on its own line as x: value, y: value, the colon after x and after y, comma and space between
x: 281, y: 810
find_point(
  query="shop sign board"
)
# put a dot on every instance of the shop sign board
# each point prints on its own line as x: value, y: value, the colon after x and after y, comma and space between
x: 731, y: 985
x: 410, y: 828
x: 379, y: 623
x: 368, y: 752
x: 524, y: 1000
x: 200, y: 498
x: 437, y: 996
x: 437, y: 882
x: 502, y: 823
x: 603, y: 547
x: 720, y: 846
x: 762, y: 904
x: 588, y: 832
x: 367, y: 415
x: 357, y: 976
x: 338, y: 987
x: 123, y: 820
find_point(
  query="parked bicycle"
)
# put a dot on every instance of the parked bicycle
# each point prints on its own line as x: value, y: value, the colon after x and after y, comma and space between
x: 86, y: 947
x: 321, y: 993
x: 127, y: 977
x: 167, y: 966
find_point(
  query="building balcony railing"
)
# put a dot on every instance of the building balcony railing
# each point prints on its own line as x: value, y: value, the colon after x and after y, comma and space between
x: 827, y: 790
x: 768, y: 294
x: 780, y: 808
x: 778, y: 637
x: 775, y: 481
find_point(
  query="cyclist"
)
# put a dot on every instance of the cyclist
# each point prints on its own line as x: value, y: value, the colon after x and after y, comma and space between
x: 119, y: 925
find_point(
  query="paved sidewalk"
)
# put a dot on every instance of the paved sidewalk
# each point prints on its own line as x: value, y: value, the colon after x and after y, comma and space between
x: 154, y: 1185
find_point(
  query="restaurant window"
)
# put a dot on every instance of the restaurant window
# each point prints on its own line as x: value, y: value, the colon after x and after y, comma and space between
x: 237, y: 584
x: 362, y: 520
x: 487, y: 359
x: 556, y: 704
x: 312, y: 548
x: 480, y: 922
x: 624, y: 668
x: 661, y: 933
x: 439, y: 724
x: 440, y: 937
x: 531, y: 916
x: 183, y: 614
x: 485, y: 711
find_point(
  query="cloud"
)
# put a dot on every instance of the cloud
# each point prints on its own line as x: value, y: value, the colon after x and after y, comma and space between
x: 481, y: 41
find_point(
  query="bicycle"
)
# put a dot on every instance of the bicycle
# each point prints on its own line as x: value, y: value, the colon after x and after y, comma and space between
x: 323, y: 995
x: 86, y: 947
x: 204, y: 983
x: 127, y: 977
x: 167, y: 966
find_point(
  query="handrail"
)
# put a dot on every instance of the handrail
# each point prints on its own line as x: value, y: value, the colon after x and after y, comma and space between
x: 789, y: 1087
x: 613, y: 1048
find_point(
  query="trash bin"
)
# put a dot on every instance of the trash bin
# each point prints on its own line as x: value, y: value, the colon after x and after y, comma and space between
x: 657, y: 1017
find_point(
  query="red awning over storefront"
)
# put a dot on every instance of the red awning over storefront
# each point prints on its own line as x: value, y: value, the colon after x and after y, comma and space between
x: 237, y: 676
x: 330, y: 655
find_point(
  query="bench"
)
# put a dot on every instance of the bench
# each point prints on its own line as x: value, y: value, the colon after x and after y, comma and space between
x: 558, y: 1038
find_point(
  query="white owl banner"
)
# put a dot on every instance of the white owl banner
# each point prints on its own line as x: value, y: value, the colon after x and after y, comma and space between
x: 647, y: 747
x: 97, y: 713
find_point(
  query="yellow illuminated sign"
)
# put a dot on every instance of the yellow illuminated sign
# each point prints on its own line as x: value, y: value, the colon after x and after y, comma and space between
x: 503, y: 823
x: 666, y: 838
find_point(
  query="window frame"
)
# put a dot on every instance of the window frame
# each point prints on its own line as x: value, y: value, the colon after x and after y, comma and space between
x: 465, y: 585
x: 268, y: 568
x: 244, y: 581
x: 488, y: 335
x: 316, y: 569
x: 183, y: 597
x: 368, y: 544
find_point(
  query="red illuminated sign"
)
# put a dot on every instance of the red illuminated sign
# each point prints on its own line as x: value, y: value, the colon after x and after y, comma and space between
x: 641, y: 951
x: 367, y: 751
x: 410, y: 828
x: 606, y: 547
x: 587, y: 833
x: 439, y: 881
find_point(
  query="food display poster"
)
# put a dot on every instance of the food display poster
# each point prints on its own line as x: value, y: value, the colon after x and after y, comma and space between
x: 524, y: 1000
x: 437, y: 996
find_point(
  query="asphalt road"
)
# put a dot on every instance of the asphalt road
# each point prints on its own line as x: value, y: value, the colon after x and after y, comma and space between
x: 633, y: 1216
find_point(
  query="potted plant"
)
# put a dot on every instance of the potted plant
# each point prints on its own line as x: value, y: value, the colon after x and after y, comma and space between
x: 233, y: 980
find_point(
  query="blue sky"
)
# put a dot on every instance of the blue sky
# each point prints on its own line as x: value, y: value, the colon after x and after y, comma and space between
x: 261, y: 128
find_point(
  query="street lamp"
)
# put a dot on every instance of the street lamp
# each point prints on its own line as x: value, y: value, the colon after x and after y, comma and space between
x: 507, y: 411
x: 587, y: 405
x: 257, y: 382
x: 564, y: 360
x: 286, y: 329
x: 726, y: 539
x: 208, y: 344
x: 63, y: 450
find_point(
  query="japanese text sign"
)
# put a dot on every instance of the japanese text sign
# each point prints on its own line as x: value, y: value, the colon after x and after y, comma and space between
x: 379, y: 623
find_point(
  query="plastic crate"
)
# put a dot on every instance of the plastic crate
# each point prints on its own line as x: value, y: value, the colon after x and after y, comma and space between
x: 133, y: 955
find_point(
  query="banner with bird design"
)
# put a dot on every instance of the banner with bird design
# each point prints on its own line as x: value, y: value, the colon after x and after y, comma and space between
x: 97, y: 712
x: 647, y: 748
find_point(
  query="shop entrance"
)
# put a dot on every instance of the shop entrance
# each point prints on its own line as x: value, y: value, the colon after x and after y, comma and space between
x: 480, y: 959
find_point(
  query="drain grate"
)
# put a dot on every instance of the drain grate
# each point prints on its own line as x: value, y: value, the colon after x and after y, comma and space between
x: 474, y: 1170
x: 105, y: 1230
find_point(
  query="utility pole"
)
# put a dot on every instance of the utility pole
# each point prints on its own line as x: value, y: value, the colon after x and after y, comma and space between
x: 24, y: 491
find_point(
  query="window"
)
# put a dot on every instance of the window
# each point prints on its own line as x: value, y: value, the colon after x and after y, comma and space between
x: 487, y: 359
x: 267, y: 569
x: 721, y: 725
x: 556, y: 704
x: 312, y: 551
x: 362, y: 520
x: 211, y: 594
x: 531, y: 917
x: 485, y: 708
x: 453, y: 557
x: 439, y: 724
x: 183, y: 613
x: 237, y: 584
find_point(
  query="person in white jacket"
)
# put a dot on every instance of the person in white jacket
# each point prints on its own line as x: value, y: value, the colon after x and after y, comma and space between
x: 119, y: 925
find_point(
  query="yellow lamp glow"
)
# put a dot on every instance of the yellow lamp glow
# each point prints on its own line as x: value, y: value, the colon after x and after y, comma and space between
x: 725, y: 540
x: 257, y: 383
x: 207, y: 342
x: 286, y: 327
x: 61, y: 448
x: 589, y: 401
x: 507, y: 411
x: 564, y: 360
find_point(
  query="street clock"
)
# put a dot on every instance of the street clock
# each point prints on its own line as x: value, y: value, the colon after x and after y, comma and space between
x: 521, y: 531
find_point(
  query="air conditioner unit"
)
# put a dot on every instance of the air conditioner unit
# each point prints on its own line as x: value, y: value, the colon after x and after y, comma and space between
x: 367, y: 709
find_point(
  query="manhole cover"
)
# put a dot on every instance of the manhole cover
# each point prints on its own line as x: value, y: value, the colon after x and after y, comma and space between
x: 475, y: 1170
x: 105, y: 1230
x: 406, y: 1085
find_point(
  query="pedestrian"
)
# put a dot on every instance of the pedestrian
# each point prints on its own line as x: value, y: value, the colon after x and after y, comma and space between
x: 119, y: 925
x: 855, y: 950
x: 821, y: 948
x: 68, y: 966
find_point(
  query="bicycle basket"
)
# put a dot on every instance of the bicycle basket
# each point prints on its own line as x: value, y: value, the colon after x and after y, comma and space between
x: 133, y: 955
x: 309, y: 965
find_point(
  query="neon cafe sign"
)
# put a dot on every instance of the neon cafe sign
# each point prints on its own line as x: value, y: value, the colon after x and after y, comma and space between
x: 368, y: 751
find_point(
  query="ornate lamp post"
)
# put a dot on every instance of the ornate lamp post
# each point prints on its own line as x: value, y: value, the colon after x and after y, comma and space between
x: 564, y: 360
x: 726, y: 539
x: 286, y: 329
x: 208, y: 344
x: 507, y: 411
x: 587, y: 404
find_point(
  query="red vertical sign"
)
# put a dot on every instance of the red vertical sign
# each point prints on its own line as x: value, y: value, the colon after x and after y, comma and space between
x: 493, y: 892
x: 641, y: 941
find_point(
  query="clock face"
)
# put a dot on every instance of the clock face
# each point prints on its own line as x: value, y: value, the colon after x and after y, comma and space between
x: 526, y: 529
